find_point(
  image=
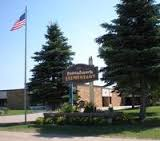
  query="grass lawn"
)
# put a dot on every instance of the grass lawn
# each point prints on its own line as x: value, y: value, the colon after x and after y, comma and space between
x: 151, y: 112
x: 150, y: 129
x: 15, y: 112
x: 129, y: 131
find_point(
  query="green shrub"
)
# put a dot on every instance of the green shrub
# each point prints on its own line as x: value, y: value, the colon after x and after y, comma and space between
x: 67, y: 108
x: 125, y: 117
x: 49, y: 121
x: 89, y: 107
x: 80, y: 121
x: 76, y: 121
x: 86, y: 121
x: 110, y: 109
x: 99, y: 121
x: 121, y: 118
x: 60, y: 120
x: 39, y: 121
x: 1, y: 112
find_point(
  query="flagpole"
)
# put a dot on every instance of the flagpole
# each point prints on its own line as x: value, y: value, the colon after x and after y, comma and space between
x: 25, y: 69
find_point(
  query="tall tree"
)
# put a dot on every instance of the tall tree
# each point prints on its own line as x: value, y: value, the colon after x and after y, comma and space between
x: 46, y: 83
x: 131, y: 48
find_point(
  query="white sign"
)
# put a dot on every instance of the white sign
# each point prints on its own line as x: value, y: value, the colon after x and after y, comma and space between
x: 106, y: 92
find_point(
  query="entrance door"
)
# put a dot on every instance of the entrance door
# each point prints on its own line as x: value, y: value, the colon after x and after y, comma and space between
x: 105, y: 101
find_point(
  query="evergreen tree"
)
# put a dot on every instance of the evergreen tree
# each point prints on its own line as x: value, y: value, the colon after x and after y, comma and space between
x: 131, y: 48
x: 46, y: 84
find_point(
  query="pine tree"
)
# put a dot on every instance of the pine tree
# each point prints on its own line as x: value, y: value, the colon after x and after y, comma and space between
x: 131, y: 48
x: 46, y: 84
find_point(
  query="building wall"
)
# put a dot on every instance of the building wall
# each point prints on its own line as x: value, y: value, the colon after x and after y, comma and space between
x: 116, y: 99
x: 15, y: 99
x: 98, y: 96
x: 102, y: 96
x: 3, y: 98
x: 83, y: 92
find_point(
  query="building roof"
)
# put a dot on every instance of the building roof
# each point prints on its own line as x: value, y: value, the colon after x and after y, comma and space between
x: 11, y: 89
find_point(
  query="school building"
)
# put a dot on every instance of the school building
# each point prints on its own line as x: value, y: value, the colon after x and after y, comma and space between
x: 12, y: 99
x: 103, y: 97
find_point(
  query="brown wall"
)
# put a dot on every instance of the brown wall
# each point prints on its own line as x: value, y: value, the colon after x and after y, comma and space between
x: 15, y: 99
x: 83, y: 92
x: 116, y: 100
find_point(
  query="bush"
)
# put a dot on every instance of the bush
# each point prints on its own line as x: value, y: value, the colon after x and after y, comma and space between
x: 67, y: 108
x: 89, y: 107
x: 99, y: 121
x: 42, y: 121
x: 80, y: 121
x: 49, y: 121
x: 110, y: 109
x: 39, y: 121
x: 3, y: 110
x: 59, y: 120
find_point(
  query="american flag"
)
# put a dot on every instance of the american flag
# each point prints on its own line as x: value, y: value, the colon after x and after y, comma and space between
x: 19, y: 23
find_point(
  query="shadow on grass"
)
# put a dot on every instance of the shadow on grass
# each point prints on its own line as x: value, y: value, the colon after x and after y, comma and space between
x: 132, y: 128
x: 136, y: 115
x: 149, y: 129
x: 116, y: 129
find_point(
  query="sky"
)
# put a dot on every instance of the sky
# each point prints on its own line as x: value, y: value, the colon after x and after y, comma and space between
x: 78, y: 19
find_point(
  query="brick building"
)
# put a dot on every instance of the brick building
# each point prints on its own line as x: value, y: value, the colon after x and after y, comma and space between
x: 13, y: 99
x: 102, y: 96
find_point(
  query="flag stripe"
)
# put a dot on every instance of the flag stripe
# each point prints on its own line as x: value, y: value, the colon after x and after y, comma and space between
x: 19, y: 23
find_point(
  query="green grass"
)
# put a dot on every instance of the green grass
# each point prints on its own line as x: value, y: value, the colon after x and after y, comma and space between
x: 150, y: 129
x: 151, y: 112
x: 15, y: 112
x: 138, y: 131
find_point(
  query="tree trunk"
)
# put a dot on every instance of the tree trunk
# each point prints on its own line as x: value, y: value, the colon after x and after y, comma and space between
x: 142, y: 114
x: 133, y: 101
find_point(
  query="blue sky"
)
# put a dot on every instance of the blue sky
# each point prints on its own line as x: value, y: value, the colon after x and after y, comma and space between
x: 79, y: 20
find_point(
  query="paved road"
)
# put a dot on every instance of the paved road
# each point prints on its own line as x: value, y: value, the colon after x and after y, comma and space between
x: 19, y: 118
x: 15, y: 136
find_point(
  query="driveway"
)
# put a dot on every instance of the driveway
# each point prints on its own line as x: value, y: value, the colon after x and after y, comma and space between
x: 15, y: 136
x: 19, y: 118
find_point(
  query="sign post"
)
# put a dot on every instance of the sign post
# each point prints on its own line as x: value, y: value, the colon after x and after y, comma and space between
x: 71, y: 99
x: 91, y: 88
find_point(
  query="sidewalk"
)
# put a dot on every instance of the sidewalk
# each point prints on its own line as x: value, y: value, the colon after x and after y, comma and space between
x: 19, y: 118
x: 117, y: 107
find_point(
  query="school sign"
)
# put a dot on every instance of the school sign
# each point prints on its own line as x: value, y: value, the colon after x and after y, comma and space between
x: 80, y: 73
